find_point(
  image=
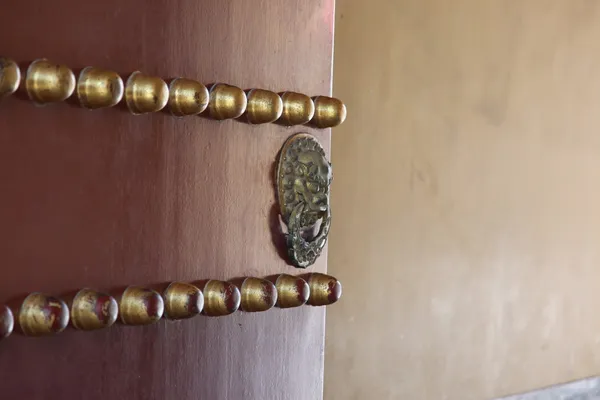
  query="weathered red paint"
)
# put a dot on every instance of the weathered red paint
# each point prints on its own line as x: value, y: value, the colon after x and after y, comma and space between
x: 153, y: 304
x: 103, y: 307
x: 334, y: 291
x: 56, y: 313
x: 302, y: 290
x: 269, y: 293
x: 193, y: 305
x: 231, y: 296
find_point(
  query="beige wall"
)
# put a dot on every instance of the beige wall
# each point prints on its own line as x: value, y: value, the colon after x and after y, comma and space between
x: 466, y: 198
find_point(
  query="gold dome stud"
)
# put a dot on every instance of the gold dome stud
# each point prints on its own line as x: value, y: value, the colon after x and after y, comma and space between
x: 292, y: 291
x: 329, y: 112
x: 99, y: 88
x: 7, y: 322
x: 42, y: 315
x: 263, y: 106
x: 187, y: 97
x: 257, y: 295
x: 298, y: 109
x: 145, y: 94
x: 91, y: 310
x: 140, y: 306
x: 49, y: 83
x: 10, y: 77
x: 220, y: 298
x: 182, y: 301
x: 226, y: 102
x: 324, y: 289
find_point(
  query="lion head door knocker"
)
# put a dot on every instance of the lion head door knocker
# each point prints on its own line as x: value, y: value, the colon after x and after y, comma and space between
x: 303, y: 179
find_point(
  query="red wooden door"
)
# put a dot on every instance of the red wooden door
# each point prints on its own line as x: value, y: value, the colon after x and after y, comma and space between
x: 105, y: 199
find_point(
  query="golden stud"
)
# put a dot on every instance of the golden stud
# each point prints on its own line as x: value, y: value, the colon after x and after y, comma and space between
x: 329, y: 112
x: 140, y: 306
x: 298, y: 109
x: 49, y: 83
x: 10, y: 76
x: 187, y: 97
x: 220, y: 298
x: 226, y: 102
x: 263, y: 106
x: 145, y: 94
x: 42, y: 315
x: 99, y: 88
x: 324, y: 289
x: 182, y: 300
x: 257, y: 295
x: 92, y: 310
x: 292, y: 291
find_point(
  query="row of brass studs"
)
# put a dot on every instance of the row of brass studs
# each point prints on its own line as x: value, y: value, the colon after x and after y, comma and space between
x: 46, y: 82
x: 41, y: 315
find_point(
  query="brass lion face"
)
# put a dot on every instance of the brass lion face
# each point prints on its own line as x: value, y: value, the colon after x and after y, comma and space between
x: 303, y: 179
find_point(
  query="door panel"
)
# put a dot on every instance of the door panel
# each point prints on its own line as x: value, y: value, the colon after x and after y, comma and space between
x: 105, y: 199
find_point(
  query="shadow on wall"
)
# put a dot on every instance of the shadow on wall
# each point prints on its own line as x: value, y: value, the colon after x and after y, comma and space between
x: 585, y: 389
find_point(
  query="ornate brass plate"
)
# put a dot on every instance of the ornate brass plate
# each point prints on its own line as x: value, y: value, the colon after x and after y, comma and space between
x: 303, y: 179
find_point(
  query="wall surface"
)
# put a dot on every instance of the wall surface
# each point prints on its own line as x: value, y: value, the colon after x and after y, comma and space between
x: 466, y: 198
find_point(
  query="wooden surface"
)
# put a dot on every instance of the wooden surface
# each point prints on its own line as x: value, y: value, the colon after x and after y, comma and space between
x: 466, y: 198
x: 105, y: 199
